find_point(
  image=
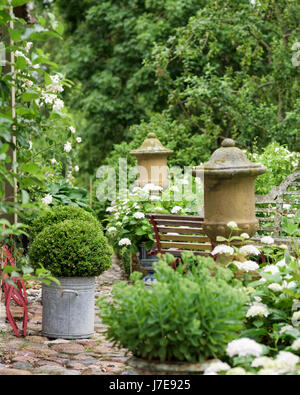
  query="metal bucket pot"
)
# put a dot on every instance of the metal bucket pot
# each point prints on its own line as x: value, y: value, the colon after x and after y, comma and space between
x: 69, y: 309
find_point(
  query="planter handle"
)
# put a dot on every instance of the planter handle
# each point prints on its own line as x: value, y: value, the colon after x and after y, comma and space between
x: 69, y: 291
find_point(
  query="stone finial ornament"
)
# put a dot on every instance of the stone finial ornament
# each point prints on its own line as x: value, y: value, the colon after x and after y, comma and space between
x: 152, y: 162
x: 229, y: 193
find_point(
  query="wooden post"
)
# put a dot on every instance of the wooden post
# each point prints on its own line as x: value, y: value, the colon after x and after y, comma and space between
x: 11, y: 191
x: 91, y: 191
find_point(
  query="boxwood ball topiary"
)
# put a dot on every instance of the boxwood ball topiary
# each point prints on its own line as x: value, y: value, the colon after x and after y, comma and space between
x: 58, y: 214
x: 71, y: 248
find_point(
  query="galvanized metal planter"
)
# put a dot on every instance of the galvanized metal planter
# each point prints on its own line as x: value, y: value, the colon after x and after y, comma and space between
x: 69, y: 309
x: 146, y: 260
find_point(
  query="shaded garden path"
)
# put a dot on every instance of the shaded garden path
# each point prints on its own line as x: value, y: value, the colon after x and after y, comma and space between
x: 37, y: 355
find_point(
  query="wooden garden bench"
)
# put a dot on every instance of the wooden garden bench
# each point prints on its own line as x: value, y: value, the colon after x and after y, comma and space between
x: 175, y: 234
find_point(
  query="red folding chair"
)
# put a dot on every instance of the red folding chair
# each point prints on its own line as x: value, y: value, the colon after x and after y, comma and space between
x: 16, y: 293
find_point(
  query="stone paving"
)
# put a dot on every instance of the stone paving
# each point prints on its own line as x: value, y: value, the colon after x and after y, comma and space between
x: 38, y: 355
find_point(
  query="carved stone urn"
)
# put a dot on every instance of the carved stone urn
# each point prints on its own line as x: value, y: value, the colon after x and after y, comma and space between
x: 152, y: 162
x: 229, y: 194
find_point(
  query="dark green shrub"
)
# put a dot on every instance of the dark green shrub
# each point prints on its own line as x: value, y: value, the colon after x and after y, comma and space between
x: 182, y: 317
x: 58, y: 214
x: 71, y: 248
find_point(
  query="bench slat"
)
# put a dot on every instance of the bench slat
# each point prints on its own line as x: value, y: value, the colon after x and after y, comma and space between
x: 165, y: 229
x: 176, y: 217
x: 179, y: 252
x: 199, y: 239
x: 195, y: 224
x: 184, y: 246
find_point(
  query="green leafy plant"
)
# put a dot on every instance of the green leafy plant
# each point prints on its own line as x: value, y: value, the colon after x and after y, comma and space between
x: 71, y: 248
x: 127, y: 223
x: 54, y: 215
x: 182, y: 317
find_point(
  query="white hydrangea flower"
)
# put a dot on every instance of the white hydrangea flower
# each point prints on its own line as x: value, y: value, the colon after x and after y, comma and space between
x: 273, y: 269
x: 289, y: 359
x: 111, y: 229
x: 289, y: 285
x: 265, y: 362
x: 215, y: 367
x: 47, y: 199
x: 154, y: 198
x: 296, y: 344
x: 124, y: 242
x: 245, y: 236
x: 285, y: 328
x: 267, y: 240
x: 296, y: 316
x: 249, y: 249
x: 174, y: 188
x: 139, y: 215
x: 222, y: 249
x: 247, y: 265
x: 275, y: 287
x: 175, y: 209
x: 232, y: 224
x: 281, y: 263
x: 244, y: 347
x: 152, y: 187
x: 67, y: 146
x: 236, y: 372
x: 257, y: 309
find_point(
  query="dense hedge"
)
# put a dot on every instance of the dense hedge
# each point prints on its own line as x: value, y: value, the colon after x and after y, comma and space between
x: 58, y: 214
x: 71, y: 248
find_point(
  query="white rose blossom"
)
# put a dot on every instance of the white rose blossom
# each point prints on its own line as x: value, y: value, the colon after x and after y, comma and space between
x: 58, y: 105
x: 47, y: 199
x: 67, y: 146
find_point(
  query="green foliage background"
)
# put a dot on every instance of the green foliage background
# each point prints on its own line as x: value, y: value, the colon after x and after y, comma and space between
x: 195, y: 70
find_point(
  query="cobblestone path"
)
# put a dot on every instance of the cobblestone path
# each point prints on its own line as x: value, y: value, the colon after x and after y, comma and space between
x: 38, y: 355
